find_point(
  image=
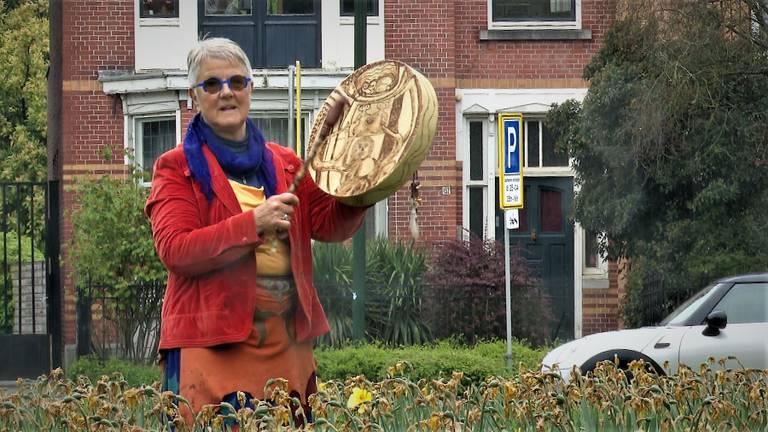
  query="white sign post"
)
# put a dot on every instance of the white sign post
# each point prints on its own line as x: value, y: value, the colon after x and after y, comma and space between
x: 510, y: 197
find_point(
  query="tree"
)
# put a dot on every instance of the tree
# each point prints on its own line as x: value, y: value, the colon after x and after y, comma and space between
x: 23, y: 105
x: 670, y: 143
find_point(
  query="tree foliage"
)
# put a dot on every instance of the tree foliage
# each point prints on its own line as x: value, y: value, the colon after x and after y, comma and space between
x: 670, y: 143
x: 23, y: 104
x: 112, y: 242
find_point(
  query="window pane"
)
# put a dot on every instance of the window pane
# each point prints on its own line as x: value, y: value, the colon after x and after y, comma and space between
x: 275, y: 129
x: 159, y: 8
x: 745, y: 303
x: 476, y: 222
x: 228, y: 7
x: 534, y: 10
x: 348, y: 7
x: 157, y: 137
x: 532, y: 143
x: 551, y: 156
x: 590, y: 249
x: 551, y: 211
x: 476, y: 150
x: 290, y: 7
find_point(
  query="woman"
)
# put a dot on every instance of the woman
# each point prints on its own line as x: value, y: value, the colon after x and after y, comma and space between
x: 240, y: 307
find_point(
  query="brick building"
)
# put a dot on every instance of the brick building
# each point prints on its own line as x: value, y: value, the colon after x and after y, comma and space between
x: 125, y: 83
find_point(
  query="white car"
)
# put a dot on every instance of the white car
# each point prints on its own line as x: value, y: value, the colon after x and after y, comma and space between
x: 726, y: 320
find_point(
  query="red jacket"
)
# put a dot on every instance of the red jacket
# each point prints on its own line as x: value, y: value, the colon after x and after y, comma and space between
x: 208, y: 250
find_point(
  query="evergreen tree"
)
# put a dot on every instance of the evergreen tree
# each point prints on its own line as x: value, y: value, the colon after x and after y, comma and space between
x: 670, y: 143
x: 23, y: 85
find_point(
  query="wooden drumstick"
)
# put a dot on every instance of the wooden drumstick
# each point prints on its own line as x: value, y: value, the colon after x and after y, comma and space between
x: 334, y: 113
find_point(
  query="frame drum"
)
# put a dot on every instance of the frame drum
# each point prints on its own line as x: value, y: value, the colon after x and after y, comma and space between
x: 381, y: 137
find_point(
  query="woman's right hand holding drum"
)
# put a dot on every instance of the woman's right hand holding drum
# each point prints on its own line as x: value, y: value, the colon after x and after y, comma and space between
x: 274, y: 214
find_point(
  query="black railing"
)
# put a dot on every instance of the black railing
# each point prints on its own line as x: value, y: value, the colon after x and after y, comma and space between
x: 122, y: 322
x: 23, y: 264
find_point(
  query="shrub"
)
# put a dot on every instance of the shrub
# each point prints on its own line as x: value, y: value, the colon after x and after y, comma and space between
x: 428, y: 361
x: 394, y: 272
x: 466, y: 293
x: 94, y: 367
x: 332, y: 274
x: 112, y: 240
x: 113, y: 254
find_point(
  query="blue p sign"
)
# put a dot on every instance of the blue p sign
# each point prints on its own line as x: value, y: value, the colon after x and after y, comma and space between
x: 512, y: 146
x: 511, y: 140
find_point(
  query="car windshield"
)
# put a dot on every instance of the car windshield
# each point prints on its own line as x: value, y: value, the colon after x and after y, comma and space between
x: 685, y: 310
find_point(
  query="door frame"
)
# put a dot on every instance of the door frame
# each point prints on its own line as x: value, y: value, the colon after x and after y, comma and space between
x: 490, y: 162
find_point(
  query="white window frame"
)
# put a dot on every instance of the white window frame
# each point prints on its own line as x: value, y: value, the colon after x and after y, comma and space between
x: 487, y: 185
x: 156, y: 21
x: 539, y: 169
x: 601, y: 270
x: 134, y: 134
x: 534, y: 25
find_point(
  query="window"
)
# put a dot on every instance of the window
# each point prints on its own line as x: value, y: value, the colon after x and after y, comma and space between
x: 476, y: 187
x: 540, y: 147
x: 348, y: 7
x: 591, y: 255
x: 541, y: 14
x: 228, y: 7
x: 534, y: 10
x: 290, y: 7
x: 272, y: 33
x: 275, y: 129
x: 154, y: 136
x: 745, y: 303
x: 159, y: 8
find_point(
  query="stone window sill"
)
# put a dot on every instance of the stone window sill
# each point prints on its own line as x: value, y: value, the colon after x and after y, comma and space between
x: 538, y: 34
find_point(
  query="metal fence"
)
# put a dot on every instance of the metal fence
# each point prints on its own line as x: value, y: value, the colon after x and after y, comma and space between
x: 124, y: 321
x: 22, y: 255
x: 30, y: 295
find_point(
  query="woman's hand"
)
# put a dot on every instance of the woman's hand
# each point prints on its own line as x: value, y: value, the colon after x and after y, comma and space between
x: 274, y: 214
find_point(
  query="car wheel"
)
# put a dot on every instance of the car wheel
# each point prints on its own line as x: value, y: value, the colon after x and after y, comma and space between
x: 625, y: 357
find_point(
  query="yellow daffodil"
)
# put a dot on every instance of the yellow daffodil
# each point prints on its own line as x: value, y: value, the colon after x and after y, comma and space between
x: 357, y: 397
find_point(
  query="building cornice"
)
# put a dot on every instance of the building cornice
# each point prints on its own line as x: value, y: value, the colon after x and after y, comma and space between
x: 122, y: 82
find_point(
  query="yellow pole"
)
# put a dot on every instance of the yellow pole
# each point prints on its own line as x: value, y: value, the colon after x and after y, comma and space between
x: 298, y: 108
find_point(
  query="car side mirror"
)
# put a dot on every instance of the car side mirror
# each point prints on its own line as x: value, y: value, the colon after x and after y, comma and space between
x: 715, y: 321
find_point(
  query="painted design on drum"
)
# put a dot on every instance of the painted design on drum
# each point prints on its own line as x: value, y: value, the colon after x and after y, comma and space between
x: 376, y: 127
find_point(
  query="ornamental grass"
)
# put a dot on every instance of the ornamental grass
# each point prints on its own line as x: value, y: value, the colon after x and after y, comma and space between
x: 710, y: 398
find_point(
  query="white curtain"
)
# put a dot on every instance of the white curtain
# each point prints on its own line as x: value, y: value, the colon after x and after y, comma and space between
x: 559, y: 5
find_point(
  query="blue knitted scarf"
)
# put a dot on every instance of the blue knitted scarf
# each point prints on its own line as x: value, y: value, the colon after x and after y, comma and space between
x: 258, y: 158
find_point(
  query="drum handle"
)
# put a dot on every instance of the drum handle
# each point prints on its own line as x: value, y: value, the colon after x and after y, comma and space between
x: 334, y: 113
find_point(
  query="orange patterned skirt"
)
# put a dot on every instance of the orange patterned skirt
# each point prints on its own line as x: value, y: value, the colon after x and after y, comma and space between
x: 214, y: 374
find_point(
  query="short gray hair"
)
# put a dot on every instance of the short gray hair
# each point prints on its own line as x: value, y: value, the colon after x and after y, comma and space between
x: 214, y: 48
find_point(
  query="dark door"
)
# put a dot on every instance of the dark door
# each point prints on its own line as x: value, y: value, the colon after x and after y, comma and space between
x: 545, y: 238
x: 273, y: 33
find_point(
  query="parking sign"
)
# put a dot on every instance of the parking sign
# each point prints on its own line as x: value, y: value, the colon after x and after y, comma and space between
x: 510, y: 160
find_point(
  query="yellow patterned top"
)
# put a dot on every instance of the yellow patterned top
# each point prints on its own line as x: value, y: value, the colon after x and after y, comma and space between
x: 273, y: 257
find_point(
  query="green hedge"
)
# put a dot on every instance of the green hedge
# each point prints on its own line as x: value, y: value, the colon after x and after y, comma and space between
x: 93, y: 368
x: 477, y: 361
x: 372, y: 360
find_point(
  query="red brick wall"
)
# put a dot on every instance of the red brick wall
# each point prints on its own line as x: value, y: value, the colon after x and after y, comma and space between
x: 442, y: 40
x: 525, y: 59
x: 421, y: 34
x: 96, y: 36
x: 601, y: 306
